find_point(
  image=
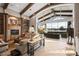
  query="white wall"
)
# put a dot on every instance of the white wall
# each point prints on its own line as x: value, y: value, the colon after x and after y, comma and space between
x: 76, y: 25
x: 9, y: 31
x: 76, y: 19
x: 33, y: 22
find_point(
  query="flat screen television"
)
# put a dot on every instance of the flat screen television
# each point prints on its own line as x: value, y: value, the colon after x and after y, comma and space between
x: 14, y: 32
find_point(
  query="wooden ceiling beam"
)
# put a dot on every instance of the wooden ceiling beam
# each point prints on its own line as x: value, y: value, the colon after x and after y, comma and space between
x: 5, y: 5
x: 63, y: 15
x: 56, y: 15
x: 26, y: 8
x: 47, y: 18
x: 46, y: 6
x: 70, y: 11
x: 45, y: 15
x: 55, y: 11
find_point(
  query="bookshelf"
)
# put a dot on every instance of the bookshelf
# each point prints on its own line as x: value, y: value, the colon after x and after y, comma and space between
x: 25, y: 25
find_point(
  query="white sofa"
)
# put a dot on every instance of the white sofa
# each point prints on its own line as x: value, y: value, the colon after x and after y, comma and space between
x: 22, y: 46
x: 3, y: 47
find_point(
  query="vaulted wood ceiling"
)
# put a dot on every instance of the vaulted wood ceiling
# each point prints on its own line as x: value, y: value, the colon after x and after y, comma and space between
x: 56, y: 15
x: 26, y: 8
x: 56, y: 11
x: 46, y: 6
x: 40, y: 10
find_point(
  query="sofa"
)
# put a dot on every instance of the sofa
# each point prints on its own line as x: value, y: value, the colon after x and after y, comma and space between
x: 22, y: 46
x: 3, y: 47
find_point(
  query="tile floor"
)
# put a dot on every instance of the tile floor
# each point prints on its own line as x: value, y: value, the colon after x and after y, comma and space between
x: 56, y: 47
x: 53, y: 47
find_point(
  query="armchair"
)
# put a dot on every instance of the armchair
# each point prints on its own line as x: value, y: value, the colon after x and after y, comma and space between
x: 3, y: 46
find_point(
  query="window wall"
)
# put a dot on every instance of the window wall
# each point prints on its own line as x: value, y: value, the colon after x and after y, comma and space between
x: 56, y: 25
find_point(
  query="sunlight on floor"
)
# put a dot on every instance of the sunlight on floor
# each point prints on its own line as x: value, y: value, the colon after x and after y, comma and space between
x: 56, y: 47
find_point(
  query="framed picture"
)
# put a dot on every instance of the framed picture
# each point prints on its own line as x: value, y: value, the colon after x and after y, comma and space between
x: 13, y: 21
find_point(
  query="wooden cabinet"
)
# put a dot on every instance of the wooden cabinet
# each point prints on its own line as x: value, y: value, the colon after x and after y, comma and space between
x: 3, y: 26
x: 25, y: 25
